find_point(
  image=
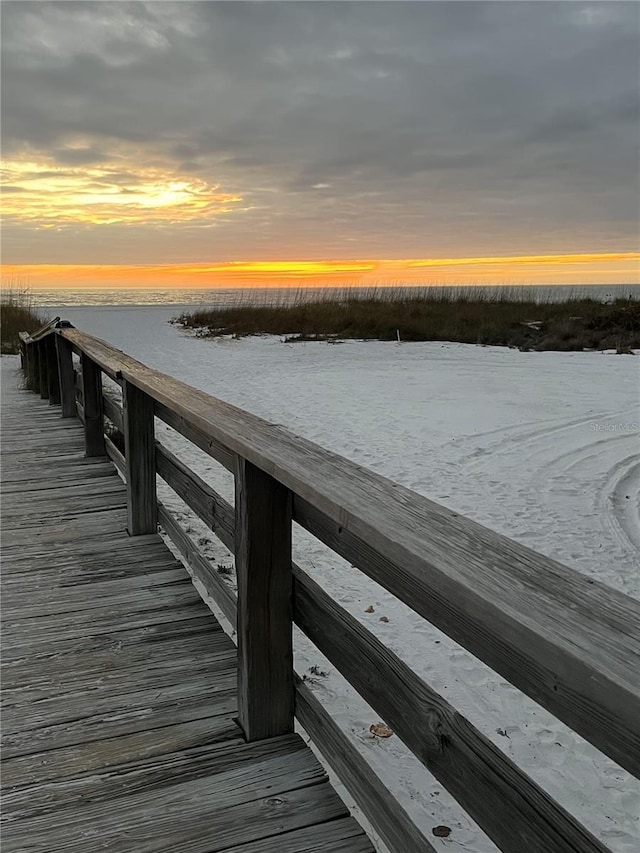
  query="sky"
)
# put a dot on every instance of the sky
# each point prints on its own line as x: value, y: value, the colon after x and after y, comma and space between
x: 219, y: 143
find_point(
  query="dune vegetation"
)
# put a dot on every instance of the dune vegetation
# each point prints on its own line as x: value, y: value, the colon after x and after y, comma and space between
x: 465, y: 316
x: 18, y: 313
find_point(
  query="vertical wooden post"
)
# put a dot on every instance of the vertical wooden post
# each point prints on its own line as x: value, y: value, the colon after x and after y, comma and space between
x: 263, y: 567
x: 52, y: 370
x: 64, y: 355
x: 34, y: 367
x: 42, y: 362
x: 92, y: 398
x: 27, y: 365
x: 140, y: 459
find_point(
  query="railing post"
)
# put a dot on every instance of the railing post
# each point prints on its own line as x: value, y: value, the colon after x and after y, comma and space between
x: 52, y: 370
x: 42, y: 365
x: 140, y: 460
x: 263, y: 567
x: 64, y: 355
x: 92, y: 400
x: 29, y: 365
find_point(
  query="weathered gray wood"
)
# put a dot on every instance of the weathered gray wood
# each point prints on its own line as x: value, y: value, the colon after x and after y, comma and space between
x: 77, y: 380
x: 52, y: 370
x: 340, y: 836
x: 120, y: 694
x: 115, y: 456
x: 263, y: 570
x: 35, y: 769
x: 43, y: 383
x: 140, y: 465
x: 202, y: 815
x: 205, y: 442
x: 200, y: 566
x: 66, y: 377
x: 385, y: 814
x: 569, y: 643
x: 92, y: 407
x: 113, y: 411
x: 515, y: 812
x: 203, y: 500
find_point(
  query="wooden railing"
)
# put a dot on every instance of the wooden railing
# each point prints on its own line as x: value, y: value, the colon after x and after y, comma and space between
x: 570, y: 643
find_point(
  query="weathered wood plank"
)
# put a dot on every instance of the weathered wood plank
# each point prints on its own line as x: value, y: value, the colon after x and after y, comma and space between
x: 115, y: 456
x: 33, y: 666
x: 386, y: 815
x: 515, y: 812
x: 52, y: 370
x: 202, y: 815
x: 43, y: 366
x: 66, y: 376
x: 23, y: 776
x: 140, y: 463
x: 149, y: 773
x: 203, y: 500
x: 62, y: 691
x: 92, y: 407
x: 340, y: 836
x: 113, y: 411
x: 205, y: 442
x: 31, y: 601
x: 104, y: 523
x: 569, y: 643
x: 200, y: 566
x: 264, y: 626
x: 159, y: 605
x: 147, y: 710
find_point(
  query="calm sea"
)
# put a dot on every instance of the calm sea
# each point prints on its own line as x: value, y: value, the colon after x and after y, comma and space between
x: 214, y: 297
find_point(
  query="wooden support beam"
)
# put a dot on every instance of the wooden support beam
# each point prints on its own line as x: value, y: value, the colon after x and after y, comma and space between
x: 52, y: 370
x: 43, y: 383
x: 29, y: 365
x: 64, y: 355
x: 263, y: 567
x: 139, y: 444
x: 92, y: 399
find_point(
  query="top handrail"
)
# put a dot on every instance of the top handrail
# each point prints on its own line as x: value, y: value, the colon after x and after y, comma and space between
x: 48, y: 327
x: 569, y: 642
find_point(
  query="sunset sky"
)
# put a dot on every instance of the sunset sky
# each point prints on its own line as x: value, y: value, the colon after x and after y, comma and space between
x: 203, y: 144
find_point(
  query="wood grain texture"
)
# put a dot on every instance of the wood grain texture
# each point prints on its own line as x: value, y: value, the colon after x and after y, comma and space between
x: 199, y: 565
x: 113, y: 411
x: 66, y: 376
x: 92, y: 407
x: 115, y: 456
x: 515, y: 812
x: 52, y: 370
x: 571, y: 644
x: 208, y: 505
x: 140, y: 465
x: 386, y: 815
x: 43, y: 367
x: 263, y: 571
x: 119, y: 686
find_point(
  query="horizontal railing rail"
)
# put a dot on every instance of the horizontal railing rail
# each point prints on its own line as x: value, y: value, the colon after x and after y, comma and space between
x: 570, y: 643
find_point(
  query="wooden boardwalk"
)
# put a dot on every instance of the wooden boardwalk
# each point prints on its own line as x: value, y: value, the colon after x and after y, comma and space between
x: 119, y: 685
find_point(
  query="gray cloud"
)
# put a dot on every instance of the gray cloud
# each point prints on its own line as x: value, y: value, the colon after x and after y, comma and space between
x: 435, y: 125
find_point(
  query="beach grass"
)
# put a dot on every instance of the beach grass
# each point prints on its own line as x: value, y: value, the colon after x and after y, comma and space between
x: 18, y: 313
x: 495, y: 317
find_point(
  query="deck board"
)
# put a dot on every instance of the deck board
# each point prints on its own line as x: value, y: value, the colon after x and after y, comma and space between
x: 119, y: 685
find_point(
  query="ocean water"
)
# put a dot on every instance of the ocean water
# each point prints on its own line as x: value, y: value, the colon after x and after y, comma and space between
x: 218, y: 297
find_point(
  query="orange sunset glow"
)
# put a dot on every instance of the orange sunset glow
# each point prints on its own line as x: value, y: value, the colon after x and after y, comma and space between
x: 566, y: 269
